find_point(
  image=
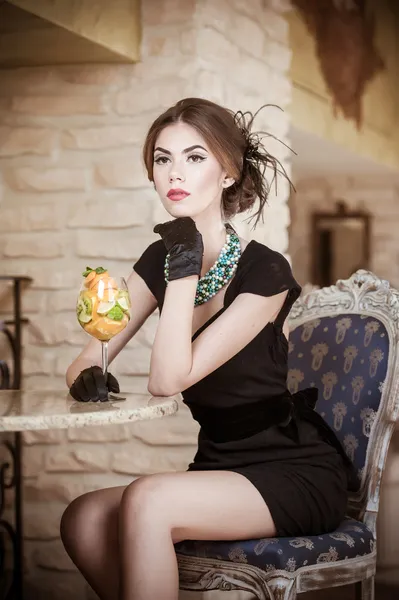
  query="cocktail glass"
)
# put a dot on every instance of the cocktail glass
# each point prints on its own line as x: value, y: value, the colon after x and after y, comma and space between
x: 103, y: 308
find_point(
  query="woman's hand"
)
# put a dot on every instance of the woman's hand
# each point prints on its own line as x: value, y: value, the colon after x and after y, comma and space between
x: 90, y: 385
x: 184, y: 244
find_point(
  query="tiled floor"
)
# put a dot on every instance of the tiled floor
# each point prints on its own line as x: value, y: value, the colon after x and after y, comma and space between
x: 348, y: 593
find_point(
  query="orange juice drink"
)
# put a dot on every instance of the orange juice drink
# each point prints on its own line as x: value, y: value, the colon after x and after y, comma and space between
x: 103, y: 309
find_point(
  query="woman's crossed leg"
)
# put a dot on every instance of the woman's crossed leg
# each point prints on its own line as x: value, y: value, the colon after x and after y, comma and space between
x: 121, y: 539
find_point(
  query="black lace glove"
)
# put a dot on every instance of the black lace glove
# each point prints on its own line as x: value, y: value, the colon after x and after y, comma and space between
x: 184, y: 244
x: 90, y: 385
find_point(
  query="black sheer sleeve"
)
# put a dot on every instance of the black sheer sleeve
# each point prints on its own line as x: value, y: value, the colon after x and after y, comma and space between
x: 267, y: 273
x: 150, y: 267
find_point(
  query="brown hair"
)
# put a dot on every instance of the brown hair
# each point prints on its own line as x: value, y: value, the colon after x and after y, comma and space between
x: 240, y: 152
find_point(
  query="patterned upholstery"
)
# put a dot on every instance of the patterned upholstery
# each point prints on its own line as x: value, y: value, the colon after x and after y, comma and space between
x: 346, y: 358
x: 351, y: 539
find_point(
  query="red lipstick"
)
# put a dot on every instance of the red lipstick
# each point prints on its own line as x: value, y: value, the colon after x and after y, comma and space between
x: 177, y: 194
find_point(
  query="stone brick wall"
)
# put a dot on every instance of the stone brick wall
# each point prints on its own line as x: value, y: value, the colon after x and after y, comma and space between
x: 377, y: 196
x: 73, y: 192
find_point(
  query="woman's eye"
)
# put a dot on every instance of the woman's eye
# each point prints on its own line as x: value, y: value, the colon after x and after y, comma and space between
x: 161, y: 160
x: 196, y: 158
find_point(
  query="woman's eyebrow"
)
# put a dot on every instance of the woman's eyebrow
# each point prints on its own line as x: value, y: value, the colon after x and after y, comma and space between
x: 189, y: 149
x: 193, y: 148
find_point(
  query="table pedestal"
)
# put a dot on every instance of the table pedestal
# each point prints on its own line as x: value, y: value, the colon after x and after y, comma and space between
x: 10, y: 479
x: 10, y: 471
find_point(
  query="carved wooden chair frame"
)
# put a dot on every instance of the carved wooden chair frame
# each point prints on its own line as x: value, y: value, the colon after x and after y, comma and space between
x: 363, y: 293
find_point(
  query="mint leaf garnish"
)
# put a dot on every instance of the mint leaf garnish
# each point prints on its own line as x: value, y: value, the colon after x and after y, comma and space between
x: 116, y: 314
x: 99, y: 270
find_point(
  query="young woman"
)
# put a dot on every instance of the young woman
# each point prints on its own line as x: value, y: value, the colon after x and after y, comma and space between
x: 267, y: 464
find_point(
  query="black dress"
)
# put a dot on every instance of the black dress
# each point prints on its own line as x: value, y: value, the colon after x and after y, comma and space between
x: 295, y: 463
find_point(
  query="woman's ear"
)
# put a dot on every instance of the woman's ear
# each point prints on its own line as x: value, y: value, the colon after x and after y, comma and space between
x: 227, y: 182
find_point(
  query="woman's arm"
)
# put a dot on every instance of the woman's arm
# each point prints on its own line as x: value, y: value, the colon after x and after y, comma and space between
x: 171, y: 351
x: 176, y: 362
x: 143, y: 305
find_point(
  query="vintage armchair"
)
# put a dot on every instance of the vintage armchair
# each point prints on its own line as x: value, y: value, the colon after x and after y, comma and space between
x: 343, y: 340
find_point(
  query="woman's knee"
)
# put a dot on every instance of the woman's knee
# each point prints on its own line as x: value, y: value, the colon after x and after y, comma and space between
x: 145, y: 497
x: 147, y: 503
x: 72, y: 519
x: 78, y: 518
x: 139, y: 493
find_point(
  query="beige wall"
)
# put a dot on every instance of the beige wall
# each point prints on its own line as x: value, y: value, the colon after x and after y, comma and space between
x: 377, y: 196
x: 312, y: 109
x: 73, y: 192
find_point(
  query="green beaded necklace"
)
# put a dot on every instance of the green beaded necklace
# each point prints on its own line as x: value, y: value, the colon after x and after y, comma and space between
x: 220, y: 273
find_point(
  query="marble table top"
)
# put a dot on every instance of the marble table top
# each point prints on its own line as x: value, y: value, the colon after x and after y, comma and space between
x: 27, y: 410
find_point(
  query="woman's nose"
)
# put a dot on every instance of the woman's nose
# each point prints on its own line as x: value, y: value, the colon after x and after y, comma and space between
x: 176, y: 174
